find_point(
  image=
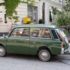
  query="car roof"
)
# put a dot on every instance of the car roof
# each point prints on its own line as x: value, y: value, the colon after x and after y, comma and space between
x: 35, y: 25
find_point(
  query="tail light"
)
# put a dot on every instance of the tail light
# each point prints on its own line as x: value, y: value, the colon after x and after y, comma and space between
x: 62, y: 48
x: 62, y: 45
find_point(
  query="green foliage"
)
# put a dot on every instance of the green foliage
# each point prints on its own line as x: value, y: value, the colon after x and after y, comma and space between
x: 54, y: 10
x: 60, y: 21
x: 10, y: 6
x: 63, y: 20
x: 67, y: 5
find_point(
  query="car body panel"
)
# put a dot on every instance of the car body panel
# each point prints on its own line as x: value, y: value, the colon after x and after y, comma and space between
x: 30, y: 45
x: 22, y: 46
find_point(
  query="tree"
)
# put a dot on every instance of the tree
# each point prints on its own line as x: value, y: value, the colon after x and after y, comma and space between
x: 63, y: 20
x: 67, y: 6
x: 12, y: 4
x: 64, y: 17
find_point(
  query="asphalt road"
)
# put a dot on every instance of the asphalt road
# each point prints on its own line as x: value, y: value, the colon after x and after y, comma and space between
x: 21, y: 62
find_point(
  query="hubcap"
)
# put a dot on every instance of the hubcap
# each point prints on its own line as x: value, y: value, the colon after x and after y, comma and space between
x: 44, y: 55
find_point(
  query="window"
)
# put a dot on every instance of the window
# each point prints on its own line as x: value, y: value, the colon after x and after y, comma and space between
x: 46, y: 33
x: 20, y: 32
x: 35, y: 32
x: 50, y: 16
x: 33, y: 13
x: 40, y: 32
x: 54, y: 34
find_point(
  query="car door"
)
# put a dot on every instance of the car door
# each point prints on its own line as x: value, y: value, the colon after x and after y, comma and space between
x: 18, y: 41
x: 40, y: 35
x: 43, y: 37
x: 35, y: 41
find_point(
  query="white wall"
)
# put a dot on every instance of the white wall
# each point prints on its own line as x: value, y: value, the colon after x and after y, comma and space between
x: 3, y: 26
x: 40, y: 10
x: 1, y: 1
x: 47, y: 8
x: 48, y: 5
x: 21, y: 11
x: 2, y: 14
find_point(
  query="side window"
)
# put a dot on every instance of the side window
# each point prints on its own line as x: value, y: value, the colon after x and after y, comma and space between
x: 54, y: 34
x: 40, y: 32
x: 20, y: 32
x: 59, y: 37
x: 46, y: 33
x: 34, y: 32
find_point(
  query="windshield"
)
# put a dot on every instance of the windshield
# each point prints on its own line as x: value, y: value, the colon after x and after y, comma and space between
x: 62, y: 35
x: 61, y: 32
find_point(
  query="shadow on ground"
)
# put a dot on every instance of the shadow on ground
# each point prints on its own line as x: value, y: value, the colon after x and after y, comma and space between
x: 29, y: 57
x: 61, y: 58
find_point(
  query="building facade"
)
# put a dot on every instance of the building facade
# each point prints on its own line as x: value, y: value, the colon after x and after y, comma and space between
x: 2, y: 11
x: 40, y: 13
x: 4, y: 27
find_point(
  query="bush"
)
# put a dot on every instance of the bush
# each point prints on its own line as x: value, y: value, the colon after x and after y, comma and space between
x: 63, y: 20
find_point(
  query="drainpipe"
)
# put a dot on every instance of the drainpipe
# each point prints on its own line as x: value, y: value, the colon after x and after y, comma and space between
x: 5, y: 16
x: 43, y: 12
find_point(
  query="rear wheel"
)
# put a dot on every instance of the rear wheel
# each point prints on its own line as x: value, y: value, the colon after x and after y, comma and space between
x: 44, y: 55
x: 2, y: 51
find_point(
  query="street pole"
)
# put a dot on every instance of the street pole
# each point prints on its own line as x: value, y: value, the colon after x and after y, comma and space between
x: 5, y: 12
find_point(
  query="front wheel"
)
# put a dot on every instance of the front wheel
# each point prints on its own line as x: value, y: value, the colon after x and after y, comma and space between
x: 44, y: 55
x: 2, y: 51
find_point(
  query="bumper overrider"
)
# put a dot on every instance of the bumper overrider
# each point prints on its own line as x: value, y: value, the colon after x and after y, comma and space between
x: 63, y: 49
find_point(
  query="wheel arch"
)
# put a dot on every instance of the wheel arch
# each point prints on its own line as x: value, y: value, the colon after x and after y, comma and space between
x: 44, y: 47
x: 4, y: 49
x: 3, y: 45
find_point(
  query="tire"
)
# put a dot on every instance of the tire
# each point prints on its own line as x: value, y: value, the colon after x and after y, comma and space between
x: 2, y: 51
x: 44, y: 55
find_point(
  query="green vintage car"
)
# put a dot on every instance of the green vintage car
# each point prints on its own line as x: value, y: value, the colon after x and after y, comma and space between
x: 40, y: 40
